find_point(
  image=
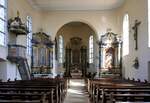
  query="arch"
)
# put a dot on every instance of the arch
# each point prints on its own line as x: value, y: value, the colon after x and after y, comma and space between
x: 82, y: 21
x: 77, y: 29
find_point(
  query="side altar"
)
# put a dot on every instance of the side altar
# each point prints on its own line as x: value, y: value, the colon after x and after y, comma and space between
x: 110, y: 53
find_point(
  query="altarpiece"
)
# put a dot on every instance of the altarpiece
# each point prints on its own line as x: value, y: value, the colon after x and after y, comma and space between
x: 110, y: 53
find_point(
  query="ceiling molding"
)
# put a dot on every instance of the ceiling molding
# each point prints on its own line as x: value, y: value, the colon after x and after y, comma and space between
x: 75, y: 5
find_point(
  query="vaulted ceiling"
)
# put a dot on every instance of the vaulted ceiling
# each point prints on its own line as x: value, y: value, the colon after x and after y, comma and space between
x: 75, y: 4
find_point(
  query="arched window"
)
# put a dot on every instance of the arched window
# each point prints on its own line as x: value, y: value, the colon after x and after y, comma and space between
x: 91, y: 49
x: 29, y: 36
x: 60, y: 49
x: 126, y: 35
x: 148, y: 23
x: 3, y: 22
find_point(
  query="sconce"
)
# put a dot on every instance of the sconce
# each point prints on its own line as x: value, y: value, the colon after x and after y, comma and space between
x: 136, y: 63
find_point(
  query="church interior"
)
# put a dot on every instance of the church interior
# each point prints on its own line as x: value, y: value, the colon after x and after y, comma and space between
x: 93, y: 51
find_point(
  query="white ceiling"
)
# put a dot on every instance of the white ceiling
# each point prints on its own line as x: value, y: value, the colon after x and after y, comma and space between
x: 75, y: 4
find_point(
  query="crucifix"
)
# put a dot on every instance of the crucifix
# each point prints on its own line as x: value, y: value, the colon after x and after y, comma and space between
x: 135, y: 28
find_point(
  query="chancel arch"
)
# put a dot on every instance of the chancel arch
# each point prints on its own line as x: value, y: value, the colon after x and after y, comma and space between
x: 68, y: 21
x: 76, y: 50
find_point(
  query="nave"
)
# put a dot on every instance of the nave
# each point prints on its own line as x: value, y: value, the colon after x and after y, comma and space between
x: 72, y: 51
x: 77, y: 92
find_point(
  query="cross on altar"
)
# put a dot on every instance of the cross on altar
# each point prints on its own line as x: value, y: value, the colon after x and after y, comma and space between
x: 135, y: 28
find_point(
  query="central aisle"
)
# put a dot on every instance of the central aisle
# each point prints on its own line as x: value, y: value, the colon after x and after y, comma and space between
x: 76, y: 92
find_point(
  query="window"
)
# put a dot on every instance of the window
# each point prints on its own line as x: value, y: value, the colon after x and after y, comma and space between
x: 60, y: 49
x: 3, y: 21
x: 148, y: 23
x: 91, y: 49
x: 125, y: 35
x: 29, y: 36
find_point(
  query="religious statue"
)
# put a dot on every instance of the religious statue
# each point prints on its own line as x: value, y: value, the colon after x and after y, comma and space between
x: 109, y: 58
x: 136, y: 63
x: 135, y: 28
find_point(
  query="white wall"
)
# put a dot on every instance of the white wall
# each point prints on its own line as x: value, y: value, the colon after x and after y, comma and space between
x: 137, y: 9
x: 3, y: 71
x: 9, y: 70
x: 99, y: 21
x: 12, y: 71
x: 25, y: 10
x: 3, y: 52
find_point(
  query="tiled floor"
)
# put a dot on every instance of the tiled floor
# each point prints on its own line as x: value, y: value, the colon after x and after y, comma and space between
x: 76, y: 92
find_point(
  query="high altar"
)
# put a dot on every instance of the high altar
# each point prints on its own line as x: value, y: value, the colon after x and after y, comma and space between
x: 76, y: 58
x: 76, y: 72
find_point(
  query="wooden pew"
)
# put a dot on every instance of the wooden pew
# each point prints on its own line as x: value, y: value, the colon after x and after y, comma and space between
x: 97, y: 85
x: 22, y: 97
x: 106, y: 93
x: 58, y: 86
x: 32, y: 88
x: 49, y: 92
x: 61, y: 86
x: 129, y: 98
x: 20, y: 101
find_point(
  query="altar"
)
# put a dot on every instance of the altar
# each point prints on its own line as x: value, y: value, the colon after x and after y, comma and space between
x: 76, y: 73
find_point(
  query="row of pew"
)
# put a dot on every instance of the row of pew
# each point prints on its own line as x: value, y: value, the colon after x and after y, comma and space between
x: 107, y: 90
x: 40, y: 90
